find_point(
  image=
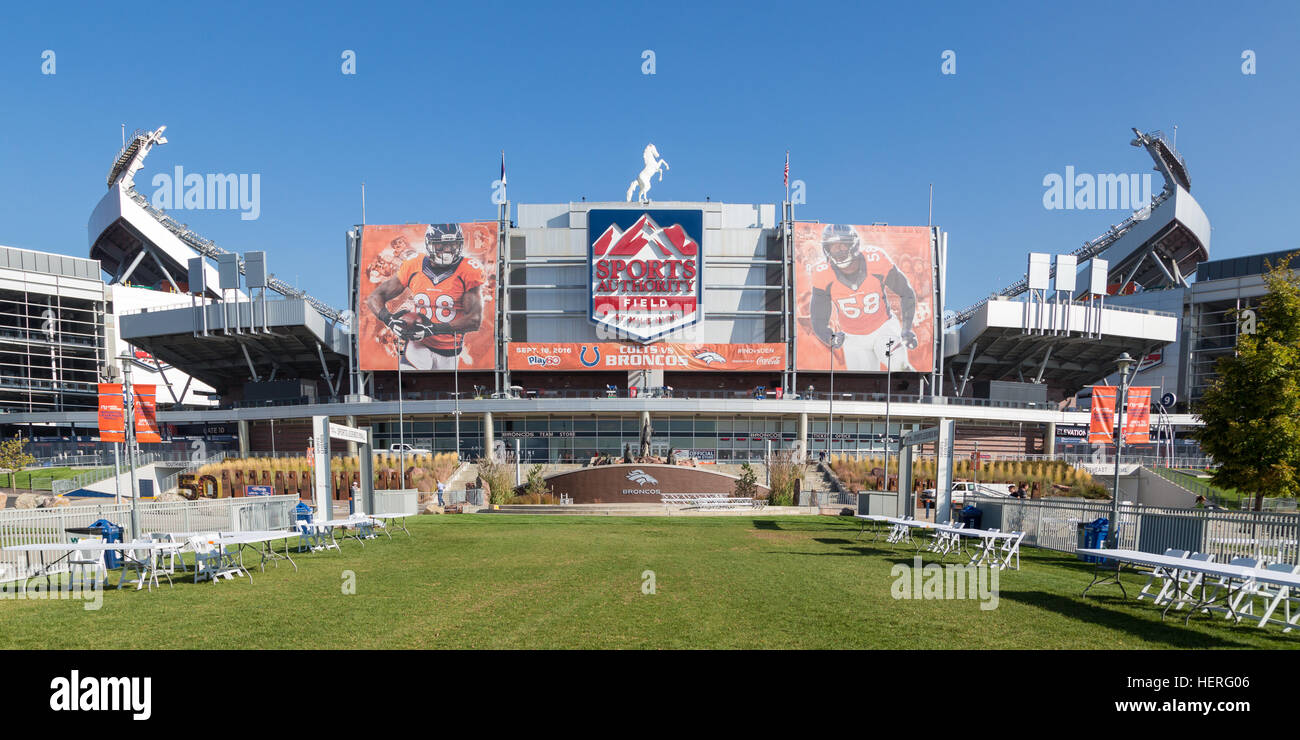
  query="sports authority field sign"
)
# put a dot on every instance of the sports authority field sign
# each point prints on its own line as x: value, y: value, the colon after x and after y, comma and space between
x: 646, y: 269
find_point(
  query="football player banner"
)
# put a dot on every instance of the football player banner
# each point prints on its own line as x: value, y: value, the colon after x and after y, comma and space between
x: 625, y: 356
x: 427, y: 296
x: 858, y: 289
x: 112, y: 415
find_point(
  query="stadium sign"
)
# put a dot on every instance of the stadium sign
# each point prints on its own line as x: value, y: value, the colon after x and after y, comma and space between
x: 646, y: 270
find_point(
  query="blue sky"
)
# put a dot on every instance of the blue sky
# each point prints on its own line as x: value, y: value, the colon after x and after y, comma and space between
x: 853, y: 90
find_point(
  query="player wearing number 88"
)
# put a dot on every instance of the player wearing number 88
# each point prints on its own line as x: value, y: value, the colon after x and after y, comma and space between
x: 849, y: 304
x: 441, y: 301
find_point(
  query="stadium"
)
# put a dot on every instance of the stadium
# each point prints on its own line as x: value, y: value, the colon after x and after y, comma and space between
x: 720, y: 332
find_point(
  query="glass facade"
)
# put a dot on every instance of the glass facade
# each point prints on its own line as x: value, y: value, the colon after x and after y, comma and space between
x: 578, y: 438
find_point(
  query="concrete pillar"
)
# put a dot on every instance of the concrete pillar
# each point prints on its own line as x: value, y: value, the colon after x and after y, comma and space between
x: 803, y: 436
x: 243, y: 437
x: 489, y: 436
x: 352, y: 446
x: 1049, y: 444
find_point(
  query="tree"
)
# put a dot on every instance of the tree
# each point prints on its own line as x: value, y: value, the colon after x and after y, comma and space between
x: 13, y: 458
x: 747, y: 485
x: 1252, y: 410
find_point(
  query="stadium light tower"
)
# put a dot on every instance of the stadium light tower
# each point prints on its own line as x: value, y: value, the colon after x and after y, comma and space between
x: 1124, y: 362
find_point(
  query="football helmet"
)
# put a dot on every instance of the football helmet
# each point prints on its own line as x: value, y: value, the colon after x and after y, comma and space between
x: 444, y: 243
x: 841, y: 245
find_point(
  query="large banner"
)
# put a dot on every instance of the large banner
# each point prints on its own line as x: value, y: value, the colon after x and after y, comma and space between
x: 666, y: 356
x: 427, y: 295
x: 859, y: 288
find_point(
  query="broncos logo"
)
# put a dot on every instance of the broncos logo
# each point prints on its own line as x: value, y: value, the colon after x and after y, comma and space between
x: 708, y: 358
x: 640, y: 477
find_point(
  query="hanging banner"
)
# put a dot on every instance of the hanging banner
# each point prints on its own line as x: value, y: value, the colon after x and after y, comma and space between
x: 146, y: 413
x: 1101, y: 428
x: 1137, y: 416
x: 864, y: 297
x: 427, y: 297
x: 112, y: 417
x: 567, y: 356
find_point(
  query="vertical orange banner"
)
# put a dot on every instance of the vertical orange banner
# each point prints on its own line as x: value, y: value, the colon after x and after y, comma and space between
x: 1101, y: 427
x: 112, y: 417
x: 146, y: 413
x: 1137, y: 416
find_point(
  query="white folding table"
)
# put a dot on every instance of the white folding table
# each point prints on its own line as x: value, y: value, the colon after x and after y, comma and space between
x: 876, y: 519
x: 397, y: 519
x: 67, y: 548
x: 988, y: 548
x: 1245, y: 578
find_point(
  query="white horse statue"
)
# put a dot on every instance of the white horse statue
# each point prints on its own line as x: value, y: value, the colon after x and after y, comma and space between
x: 653, y: 164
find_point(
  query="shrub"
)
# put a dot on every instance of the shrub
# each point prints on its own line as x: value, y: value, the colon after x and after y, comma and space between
x: 785, y: 472
x: 499, y: 479
x: 747, y: 484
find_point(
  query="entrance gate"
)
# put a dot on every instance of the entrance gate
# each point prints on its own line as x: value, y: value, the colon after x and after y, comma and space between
x: 942, y: 437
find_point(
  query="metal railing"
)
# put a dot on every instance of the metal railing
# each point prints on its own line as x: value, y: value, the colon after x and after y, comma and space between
x: 1054, y: 525
x: 82, y: 480
x: 39, y: 526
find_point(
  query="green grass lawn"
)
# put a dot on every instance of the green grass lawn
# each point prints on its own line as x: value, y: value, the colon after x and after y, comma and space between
x: 40, y: 479
x: 506, y: 581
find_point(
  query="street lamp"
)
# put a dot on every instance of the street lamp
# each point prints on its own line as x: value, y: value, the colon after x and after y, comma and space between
x: 837, y: 339
x: 1124, y: 362
x: 456, y: 375
x: 889, y: 378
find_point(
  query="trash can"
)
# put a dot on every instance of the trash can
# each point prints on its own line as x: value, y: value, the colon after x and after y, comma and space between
x: 1093, y: 536
x: 972, y: 517
x: 111, y: 533
x: 302, y: 512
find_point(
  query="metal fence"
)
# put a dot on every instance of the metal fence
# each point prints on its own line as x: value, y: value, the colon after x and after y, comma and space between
x: 1054, y: 525
x: 36, y: 526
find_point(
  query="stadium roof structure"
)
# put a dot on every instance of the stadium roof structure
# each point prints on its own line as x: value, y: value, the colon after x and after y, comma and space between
x: 1073, y: 341
x: 1066, y: 345
x: 228, y: 344
x: 133, y: 239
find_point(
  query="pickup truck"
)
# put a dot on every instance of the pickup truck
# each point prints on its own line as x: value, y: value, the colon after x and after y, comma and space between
x: 400, y: 449
x: 962, y: 488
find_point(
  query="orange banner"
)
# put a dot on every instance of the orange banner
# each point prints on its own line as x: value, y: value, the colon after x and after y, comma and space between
x: 146, y: 413
x: 112, y: 417
x: 660, y: 356
x: 1137, y: 416
x: 1101, y: 428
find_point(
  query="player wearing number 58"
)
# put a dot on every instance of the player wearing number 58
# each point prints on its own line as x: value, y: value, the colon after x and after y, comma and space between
x: 443, y: 286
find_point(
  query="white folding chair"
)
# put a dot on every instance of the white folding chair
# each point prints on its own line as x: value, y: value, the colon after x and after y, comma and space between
x: 166, y: 560
x: 207, y: 558
x: 1010, y: 549
x: 139, y: 561
x: 1283, y: 596
x: 82, y: 561
x: 1225, y: 582
x: 1160, y: 575
x: 1186, y: 581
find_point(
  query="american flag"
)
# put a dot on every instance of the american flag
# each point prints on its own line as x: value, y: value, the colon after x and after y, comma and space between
x: 786, y: 179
